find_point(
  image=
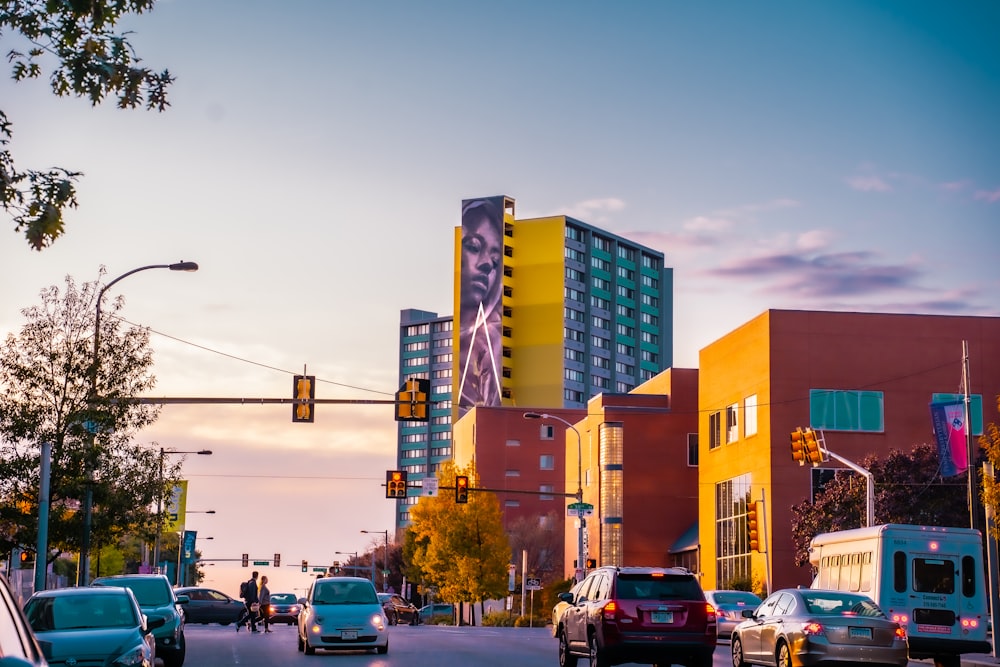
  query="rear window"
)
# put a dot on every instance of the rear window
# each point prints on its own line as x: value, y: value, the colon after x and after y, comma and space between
x: 831, y: 604
x: 745, y: 599
x: 662, y: 587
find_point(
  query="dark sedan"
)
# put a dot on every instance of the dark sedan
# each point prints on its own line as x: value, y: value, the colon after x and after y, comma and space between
x: 398, y: 610
x: 207, y: 605
x: 284, y: 608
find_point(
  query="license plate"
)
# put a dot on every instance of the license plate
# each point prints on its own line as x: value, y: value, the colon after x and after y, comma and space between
x: 348, y: 634
x: 661, y: 617
x: 859, y: 633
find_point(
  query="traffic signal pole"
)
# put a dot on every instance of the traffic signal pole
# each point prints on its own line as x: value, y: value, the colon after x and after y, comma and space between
x: 870, y: 485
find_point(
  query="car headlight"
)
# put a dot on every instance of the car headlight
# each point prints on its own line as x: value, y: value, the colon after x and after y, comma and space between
x: 378, y: 620
x: 134, y: 656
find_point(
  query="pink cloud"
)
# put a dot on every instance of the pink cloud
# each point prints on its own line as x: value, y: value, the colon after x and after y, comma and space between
x: 990, y: 196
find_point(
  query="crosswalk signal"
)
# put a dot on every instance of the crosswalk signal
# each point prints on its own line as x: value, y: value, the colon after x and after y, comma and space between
x: 395, y: 483
x: 461, y: 489
x: 303, y: 393
x: 305, y: 566
x: 412, y: 400
x: 753, y: 536
x: 246, y: 560
x: 591, y: 563
x: 799, y: 446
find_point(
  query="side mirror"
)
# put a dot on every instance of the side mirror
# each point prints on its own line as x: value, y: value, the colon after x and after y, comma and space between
x: 183, y: 599
x: 747, y: 613
x: 566, y: 597
x: 301, y: 600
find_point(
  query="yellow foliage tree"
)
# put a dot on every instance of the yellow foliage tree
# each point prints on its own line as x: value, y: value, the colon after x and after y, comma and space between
x: 990, y: 442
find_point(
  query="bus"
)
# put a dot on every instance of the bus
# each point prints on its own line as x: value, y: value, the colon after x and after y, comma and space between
x: 929, y: 579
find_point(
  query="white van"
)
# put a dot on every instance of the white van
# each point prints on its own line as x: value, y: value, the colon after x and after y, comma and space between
x: 929, y: 579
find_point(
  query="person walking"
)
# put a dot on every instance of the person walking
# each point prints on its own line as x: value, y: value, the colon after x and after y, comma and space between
x: 251, y: 600
x: 264, y: 597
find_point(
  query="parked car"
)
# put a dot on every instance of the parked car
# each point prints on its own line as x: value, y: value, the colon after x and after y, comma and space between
x: 284, y: 608
x: 157, y: 601
x: 342, y: 613
x: 729, y: 606
x: 207, y: 605
x: 397, y: 609
x: 808, y: 626
x: 93, y: 626
x: 561, y: 606
x: 637, y: 614
x: 19, y: 647
x: 436, y: 613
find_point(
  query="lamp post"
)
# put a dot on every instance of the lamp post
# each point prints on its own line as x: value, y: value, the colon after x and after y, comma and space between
x: 88, y: 504
x: 350, y: 553
x: 581, y: 562
x: 386, y: 560
x: 178, y: 579
x: 159, y: 501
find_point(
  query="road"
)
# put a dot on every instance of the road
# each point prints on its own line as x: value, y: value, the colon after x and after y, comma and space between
x: 420, y: 646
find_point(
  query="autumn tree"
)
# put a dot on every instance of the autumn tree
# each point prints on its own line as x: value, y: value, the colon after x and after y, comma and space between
x: 459, y: 549
x: 990, y: 444
x: 88, y: 59
x: 908, y: 489
x: 46, y: 375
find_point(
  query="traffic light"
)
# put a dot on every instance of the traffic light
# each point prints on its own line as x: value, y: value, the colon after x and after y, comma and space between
x: 461, y: 489
x: 303, y: 389
x: 277, y: 560
x: 799, y: 446
x: 336, y: 567
x: 753, y: 536
x: 305, y: 566
x: 591, y: 563
x: 813, y: 449
x: 412, y: 400
x: 246, y: 560
x: 395, y: 483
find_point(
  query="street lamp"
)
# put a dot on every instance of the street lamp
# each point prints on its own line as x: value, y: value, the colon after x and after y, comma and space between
x: 88, y: 503
x: 581, y: 563
x: 159, y: 503
x: 178, y: 579
x: 350, y: 553
x: 386, y: 563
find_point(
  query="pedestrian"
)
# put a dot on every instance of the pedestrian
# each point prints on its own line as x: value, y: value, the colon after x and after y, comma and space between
x: 264, y: 598
x: 251, y: 600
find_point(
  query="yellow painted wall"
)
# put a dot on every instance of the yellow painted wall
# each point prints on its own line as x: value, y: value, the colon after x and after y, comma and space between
x: 732, y: 368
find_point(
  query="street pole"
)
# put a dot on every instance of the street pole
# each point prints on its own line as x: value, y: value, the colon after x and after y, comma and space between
x: 385, y: 583
x: 83, y: 577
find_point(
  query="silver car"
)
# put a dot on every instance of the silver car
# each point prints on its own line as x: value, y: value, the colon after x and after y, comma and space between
x: 342, y: 613
x: 729, y: 606
x: 92, y: 626
x: 805, y: 626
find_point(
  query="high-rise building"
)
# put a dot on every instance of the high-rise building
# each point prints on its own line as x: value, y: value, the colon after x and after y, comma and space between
x: 549, y: 312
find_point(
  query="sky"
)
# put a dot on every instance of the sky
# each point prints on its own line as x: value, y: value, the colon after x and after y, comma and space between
x: 821, y: 156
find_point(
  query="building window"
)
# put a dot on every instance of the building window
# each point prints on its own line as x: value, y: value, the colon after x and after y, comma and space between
x: 601, y: 243
x: 416, y: 361
x: 600, y: 382
x: 650, y: 262
x: 750, y: 415
x: 573, y: 375
x: 650, y: 281
x: 840, y: 410
x: 601, y: 323
x: 419, y: 345
x: 624, y: 369
x: 512, y: 473
x: 732, y: 423
x: 626, y: 253
x: 546, y: 491
x: 512, y: 503
x: 714, y: 430
x: 574, y: 314
x: 650, y: 300
x: 573, y: 294
x: 975, y: 408
x: 692, y: 450
x: 651, y: 357
x: 575, y: 355
x: 417, y: 330
x: 546, y: 432
x: 413, y: 453
x: 598, y: 302
x: 600, y: 362
x: 732, y: 547
x: 626, y: 311
x: 649, y: 318
x: 623, y: 387
x: 574, y: 233
x: 443, y: 326
x: 626, y: 292
x: 442, y: 358
x: 546, y: 462
x: 625, y: 330
x: 513, y: 443
x: 574, y: 335
x: 573, y: 274
x: 575, y: 255
x: 651, y: 338
x: 602, y: 284
x: 601, y: 264
x: 573, y: 396
x: 602, y: 343
x: 627, y: 350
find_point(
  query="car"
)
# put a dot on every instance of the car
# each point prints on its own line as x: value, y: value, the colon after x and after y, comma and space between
x: 397, y: 609
x: 207, y: 605
x: 342, y: 613
x: 729, y: 606
x: 19, y: 647
x: 561, y: 606
x: 157, y: 601
x: 806, y: 626
x: 284, y: 608
x: 437, y: 613
x: 651, y: 615
x: 92, y: 626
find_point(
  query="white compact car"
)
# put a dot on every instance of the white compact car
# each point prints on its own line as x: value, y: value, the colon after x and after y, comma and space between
x: 342, y: 614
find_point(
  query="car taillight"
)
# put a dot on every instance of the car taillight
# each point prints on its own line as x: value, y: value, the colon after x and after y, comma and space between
x: 812, y: 628
x: 901, y: 634
x: 712, y: 611
x: 970, y: 623
x: 899, y: 617
x: 610, y: 609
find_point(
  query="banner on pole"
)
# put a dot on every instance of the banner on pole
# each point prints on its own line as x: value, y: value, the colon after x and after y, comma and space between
x: 948, y: 419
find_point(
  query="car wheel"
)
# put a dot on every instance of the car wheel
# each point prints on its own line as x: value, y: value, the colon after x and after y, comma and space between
x: 565, y: 658
x: 301, y: 643
x: 310, y: 650
x: 414, y: 619
x: 597, y: 658
x: 382, y: 650
x: 175, y: 657
x: 784, y: 655
x: 738, y: 660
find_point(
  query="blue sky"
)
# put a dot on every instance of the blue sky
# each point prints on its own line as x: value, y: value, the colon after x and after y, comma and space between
x: 837, y: 156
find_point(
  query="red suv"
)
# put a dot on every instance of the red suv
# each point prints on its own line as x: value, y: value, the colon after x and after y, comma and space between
x: 648, y: 615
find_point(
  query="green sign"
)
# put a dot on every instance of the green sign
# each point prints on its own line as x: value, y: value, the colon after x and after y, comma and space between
x: 581, y: 506
x: 262, y: 562
x: 319, y: 569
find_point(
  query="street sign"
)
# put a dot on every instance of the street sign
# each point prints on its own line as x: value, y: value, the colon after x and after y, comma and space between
x: 319, y: 569
x: 262, y: 562
x: 580, y: 506
x: 579, y: 509
x: 430, y: 487
x: 533, y: 585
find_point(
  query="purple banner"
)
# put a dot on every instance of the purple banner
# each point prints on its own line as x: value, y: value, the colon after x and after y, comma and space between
x: 949, y: 431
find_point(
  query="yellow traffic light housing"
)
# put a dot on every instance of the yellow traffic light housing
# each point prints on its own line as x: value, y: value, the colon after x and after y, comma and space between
x: 303, y: 393
x: 413, y: 399
x: 753, y: 532
x: 461, y: 489
x: 395, y: 483
x: 799, y: 446
x: 813, y: 447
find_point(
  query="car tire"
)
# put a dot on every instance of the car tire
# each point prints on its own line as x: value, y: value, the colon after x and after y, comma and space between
x: 392, y: 618
x: 783, y: 655
x: 566, y: 659
x: 415, y: 619
x: 299, y: 642
x: 597, y: 657
x: 382, y: 650
x: 737, y: 653
x: 310, y: 650
x: 175, y: 656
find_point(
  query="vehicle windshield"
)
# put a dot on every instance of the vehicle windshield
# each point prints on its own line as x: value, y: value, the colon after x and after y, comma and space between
x: 151, y: 592
x: 341, y: 592
x: 283, y: 598
x: 80, y: 612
